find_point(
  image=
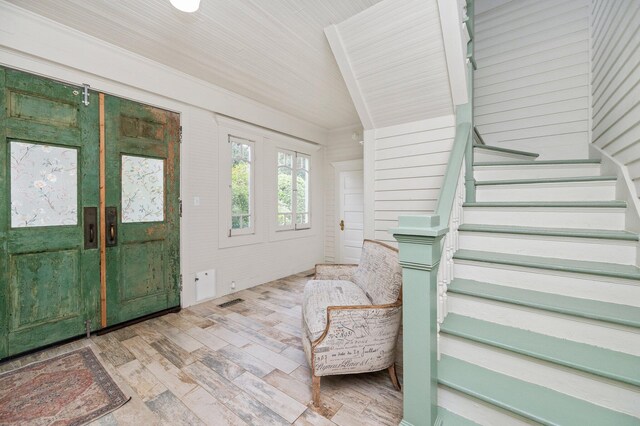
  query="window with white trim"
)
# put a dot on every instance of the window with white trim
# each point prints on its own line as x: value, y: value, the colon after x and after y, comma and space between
x: 242, y: 186
x: 293, y: 178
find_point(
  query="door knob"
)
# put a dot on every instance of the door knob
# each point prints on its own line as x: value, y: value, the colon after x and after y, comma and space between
x: 342, y: 225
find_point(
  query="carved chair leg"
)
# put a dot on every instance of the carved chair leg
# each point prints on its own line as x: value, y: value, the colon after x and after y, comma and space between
x: 316, y: 390
x: 394, y: 376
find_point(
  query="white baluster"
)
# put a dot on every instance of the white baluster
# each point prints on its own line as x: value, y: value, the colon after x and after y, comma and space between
x: 450, y: 246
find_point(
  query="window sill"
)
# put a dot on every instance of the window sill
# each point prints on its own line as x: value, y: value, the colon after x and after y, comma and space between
x: 226, y: 241
x: 291, y: 234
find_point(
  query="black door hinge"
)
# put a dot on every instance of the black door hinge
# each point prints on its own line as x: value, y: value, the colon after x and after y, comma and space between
x: 180, y: 207
x: 180, y: 135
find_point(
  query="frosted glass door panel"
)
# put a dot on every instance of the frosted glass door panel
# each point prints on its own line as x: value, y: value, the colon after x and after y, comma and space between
x: 44, y: 185
x: 142, y: 189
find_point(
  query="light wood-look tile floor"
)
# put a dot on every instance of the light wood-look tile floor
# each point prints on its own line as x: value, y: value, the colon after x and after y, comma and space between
x: 238, y: 365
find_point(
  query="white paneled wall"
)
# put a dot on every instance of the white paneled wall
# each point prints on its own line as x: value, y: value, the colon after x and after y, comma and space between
x: 46, y: 48
x: 409, y: 165
x: 616, y: 81
x: 532, y: 81
x: 340, y: 147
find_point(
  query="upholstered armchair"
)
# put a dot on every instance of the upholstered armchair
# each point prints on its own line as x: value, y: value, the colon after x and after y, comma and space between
x: 351, y: 316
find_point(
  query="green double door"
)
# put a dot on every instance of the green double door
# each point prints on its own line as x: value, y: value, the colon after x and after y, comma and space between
x: 57, y: 232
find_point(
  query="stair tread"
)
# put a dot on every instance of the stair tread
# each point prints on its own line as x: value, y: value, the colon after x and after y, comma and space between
x: 535, y: 163
x: 554, y: 232
x: 531, y: 401
x: 584, y: 308
x: 614, y: 270
x: 547, y: 180
x: 592, y: 359
x: 507, y: 150
x: 572, y: 204
x: 447, y: 418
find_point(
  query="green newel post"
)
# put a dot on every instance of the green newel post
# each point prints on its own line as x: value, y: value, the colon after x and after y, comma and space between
x: 419, y: 239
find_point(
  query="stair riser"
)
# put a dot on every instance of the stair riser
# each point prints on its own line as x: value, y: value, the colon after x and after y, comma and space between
x: 535, y: 172
x: 478, y: 411
x: 604, y: 289
x: 596, y: 250
x: 606, y: 335
x: 582, y: 385
x: 484, y: 156
x: 576, y: 218
x: 566, y: 191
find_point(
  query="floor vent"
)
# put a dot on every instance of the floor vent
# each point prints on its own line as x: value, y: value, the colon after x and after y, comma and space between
x: 230, y: 303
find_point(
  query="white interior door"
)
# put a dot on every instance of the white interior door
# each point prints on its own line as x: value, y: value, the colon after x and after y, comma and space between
x: 351, y: 221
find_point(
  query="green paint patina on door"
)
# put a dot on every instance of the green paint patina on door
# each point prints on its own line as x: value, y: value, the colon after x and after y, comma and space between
x: 49, y: 174
x: 49, y: 283
x: 143, y: 185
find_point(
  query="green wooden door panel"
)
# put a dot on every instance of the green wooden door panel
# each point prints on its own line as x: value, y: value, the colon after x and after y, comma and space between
x: 50, y: 282
x: 143, y: 270
x: 44, y: 287
x: 41, y: 110
x: 143, y: 152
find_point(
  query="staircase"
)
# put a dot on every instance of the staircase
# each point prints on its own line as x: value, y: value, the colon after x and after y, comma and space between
x: 543, y: 321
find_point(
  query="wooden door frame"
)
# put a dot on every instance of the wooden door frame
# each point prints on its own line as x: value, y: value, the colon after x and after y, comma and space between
x: 339, y: 167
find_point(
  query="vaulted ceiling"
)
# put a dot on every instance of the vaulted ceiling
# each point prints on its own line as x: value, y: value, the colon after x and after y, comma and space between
x: 273, y: 51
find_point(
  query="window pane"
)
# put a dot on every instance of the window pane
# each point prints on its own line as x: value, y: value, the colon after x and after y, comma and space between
x: 142, y: 189
x: 285, y: 219
x: 303, y: 163
x: 285, y: 190
x: 302, y: 218
x: 302, y: 196
x: 240, y: 185
x: 44, y: 185
x: 285, y: 159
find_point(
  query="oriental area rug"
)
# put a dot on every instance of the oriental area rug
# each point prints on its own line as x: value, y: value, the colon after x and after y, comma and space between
x: 70, y: 389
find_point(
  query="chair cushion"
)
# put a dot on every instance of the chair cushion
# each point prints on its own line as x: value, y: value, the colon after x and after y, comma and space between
x: 379, y: 273
x: 319, y: 294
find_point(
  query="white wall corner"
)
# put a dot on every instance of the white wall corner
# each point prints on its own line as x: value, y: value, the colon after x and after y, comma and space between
x: 455, y: 49
x: 344, y: 64
x: 369, y: 153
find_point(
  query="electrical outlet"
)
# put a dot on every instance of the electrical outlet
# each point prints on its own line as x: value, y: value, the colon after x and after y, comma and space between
x: 196, y: 201
x: 233, y: 285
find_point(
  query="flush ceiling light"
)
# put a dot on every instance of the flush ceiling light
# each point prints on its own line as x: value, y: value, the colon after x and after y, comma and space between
x: 186, y: 5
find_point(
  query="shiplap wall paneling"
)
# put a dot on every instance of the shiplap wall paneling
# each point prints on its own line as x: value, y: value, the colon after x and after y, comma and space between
x: 532, y: 82
x: 410, y: 162
x: 340, y: 147
x: 616, y: 81
x: 396, y: 52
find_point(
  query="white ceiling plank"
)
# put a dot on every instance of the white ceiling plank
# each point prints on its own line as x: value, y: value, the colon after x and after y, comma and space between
x: 395, y: 60
x: 274, y: 52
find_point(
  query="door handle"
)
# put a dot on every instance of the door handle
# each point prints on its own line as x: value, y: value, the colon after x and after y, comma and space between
x: 90, y: 223
x: 112, y: 226
x: 342, y: 225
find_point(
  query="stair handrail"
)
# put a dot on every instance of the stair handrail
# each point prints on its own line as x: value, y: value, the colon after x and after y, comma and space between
x: 459, y: 151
